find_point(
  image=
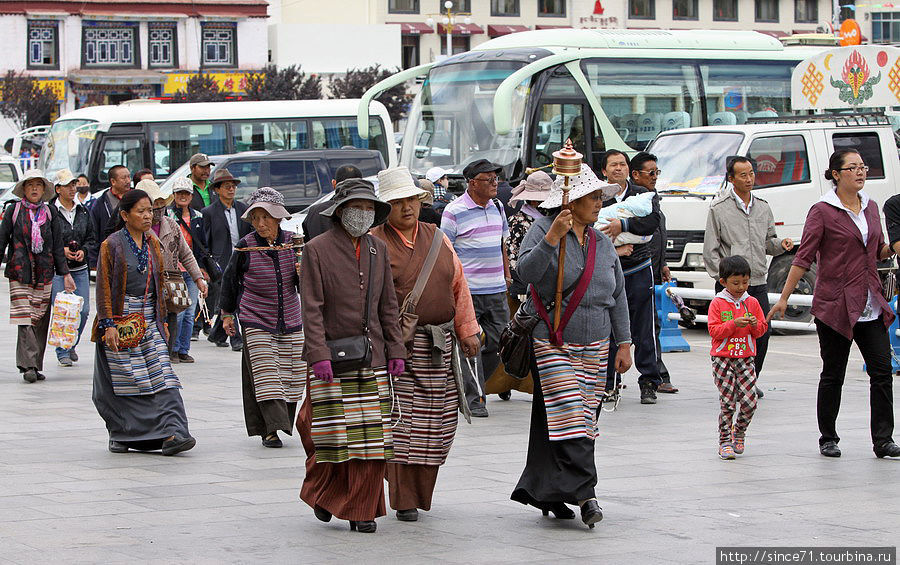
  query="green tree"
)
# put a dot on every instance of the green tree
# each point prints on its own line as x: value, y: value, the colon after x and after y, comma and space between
x: 200, y: 88
x: 357, y: 81
x: 24, y: 101
x: 289, y: 83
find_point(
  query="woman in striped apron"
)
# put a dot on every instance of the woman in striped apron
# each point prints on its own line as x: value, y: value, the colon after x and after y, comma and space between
x: 262, y: 286
x: 569, y: 369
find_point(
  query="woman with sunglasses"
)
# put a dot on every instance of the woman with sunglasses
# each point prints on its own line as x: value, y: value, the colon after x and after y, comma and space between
x: 847, y: 301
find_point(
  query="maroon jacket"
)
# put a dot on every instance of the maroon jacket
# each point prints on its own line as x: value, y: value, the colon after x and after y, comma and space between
x: 846, y: 268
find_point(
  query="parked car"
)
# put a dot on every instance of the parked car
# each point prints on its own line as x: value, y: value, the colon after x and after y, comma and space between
x: 10, y: 173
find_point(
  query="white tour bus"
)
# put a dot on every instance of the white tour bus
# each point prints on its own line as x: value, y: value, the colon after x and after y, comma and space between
x: 161, y: 137
x: 517, y: 98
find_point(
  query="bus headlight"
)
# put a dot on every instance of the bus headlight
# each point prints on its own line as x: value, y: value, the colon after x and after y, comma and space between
x: 694, y: 261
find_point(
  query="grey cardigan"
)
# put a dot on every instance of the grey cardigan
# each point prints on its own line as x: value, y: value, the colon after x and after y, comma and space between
x: 604, y: 307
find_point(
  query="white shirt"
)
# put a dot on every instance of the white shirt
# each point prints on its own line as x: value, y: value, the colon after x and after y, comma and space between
x: 872, y: 309
x: 67, y: 214
x: 740, y: 201
x: 621, y: 196
x: 231, y: 218
x: 88, y: 196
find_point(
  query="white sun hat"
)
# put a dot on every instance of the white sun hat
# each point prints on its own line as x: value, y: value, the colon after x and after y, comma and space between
x: 397, y: 183
x: 580, y: 185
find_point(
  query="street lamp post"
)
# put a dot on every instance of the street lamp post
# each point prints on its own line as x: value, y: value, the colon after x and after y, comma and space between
x: 448, y: 18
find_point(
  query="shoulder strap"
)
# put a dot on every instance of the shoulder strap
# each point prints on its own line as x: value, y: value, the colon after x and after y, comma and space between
x: 16, y: 211
x: 372, y: 256
x: 412, y: 299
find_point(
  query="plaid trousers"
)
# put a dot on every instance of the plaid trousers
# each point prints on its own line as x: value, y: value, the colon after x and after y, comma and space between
x: 735, y: 378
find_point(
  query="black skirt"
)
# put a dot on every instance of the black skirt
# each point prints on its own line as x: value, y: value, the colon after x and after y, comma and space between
x: 555, y: 471
x: 263, y: 418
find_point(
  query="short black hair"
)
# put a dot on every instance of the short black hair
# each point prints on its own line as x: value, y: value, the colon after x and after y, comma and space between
x: 136, y: 177
x: 83, y: 176
x: 345, y: 172
x: 609, y: 153
x: 734, y: 265
x: 732, y: 161
x: 638, y: 161
x: 114, y: 170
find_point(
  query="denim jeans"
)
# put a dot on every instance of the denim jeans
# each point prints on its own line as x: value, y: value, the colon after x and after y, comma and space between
x: 185, y: 320
x: 83, y: 289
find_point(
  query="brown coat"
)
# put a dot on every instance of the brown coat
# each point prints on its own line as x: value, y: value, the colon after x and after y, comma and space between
x: 112, y: 270
x: 333, y: 295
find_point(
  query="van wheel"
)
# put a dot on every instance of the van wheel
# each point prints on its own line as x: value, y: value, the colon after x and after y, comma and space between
x: 778, y: 273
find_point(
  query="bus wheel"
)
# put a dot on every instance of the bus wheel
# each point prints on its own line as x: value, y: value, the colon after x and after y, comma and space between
x: 778, y: 273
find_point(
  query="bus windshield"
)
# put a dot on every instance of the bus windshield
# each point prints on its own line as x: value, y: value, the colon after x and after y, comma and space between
x: 452, y: 119
x: 66, y: 151
x: 693, y: 163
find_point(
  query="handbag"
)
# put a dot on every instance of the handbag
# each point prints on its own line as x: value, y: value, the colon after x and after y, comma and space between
x: 175, y: 291
x: 212, y: 267
x: 409, y: 320
x: 889, y: 284
x: 132, y: 327
x: 354, y: 352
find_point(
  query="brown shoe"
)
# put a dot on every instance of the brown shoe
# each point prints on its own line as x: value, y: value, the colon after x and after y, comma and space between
x: 667, y: 388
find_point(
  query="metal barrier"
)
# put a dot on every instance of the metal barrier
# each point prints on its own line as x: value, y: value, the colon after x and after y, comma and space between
x: 793, y: 300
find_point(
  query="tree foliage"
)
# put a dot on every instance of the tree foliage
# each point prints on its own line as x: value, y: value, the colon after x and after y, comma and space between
x: 289, y: 83
x: 24, y: 101
x: 200, y: 88
x: 356, y: 81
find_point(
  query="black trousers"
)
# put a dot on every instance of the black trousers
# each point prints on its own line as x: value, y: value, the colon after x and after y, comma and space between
x: 641, y: 311
x: 492, y: 313
x: 872, y: 340
x: 217, y: 333
x: 761, y: 293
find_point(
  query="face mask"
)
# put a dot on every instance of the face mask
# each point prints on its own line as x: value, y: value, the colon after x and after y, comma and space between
x: 83, y: 189
x: 356, y: 221
x: 157, y: 215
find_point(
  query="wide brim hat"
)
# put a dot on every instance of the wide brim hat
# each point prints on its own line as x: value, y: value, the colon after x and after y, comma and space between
x: 222, y: 175
x: 536, y: 187
x: 582, y: 184
x: 352, y: 189
x: 396, y: 184
x: 268, y: 199
x: 154, y: 192
x: 49, y: 188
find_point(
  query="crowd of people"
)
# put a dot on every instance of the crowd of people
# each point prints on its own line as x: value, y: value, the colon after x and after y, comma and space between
x: 375, y: 333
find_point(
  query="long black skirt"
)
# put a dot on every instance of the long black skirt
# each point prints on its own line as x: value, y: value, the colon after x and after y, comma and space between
x: 263, y: 418
x: 140, y: 422
x: 555, y: 471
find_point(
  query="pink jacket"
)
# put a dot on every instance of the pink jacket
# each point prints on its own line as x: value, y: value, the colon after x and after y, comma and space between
x: 728, y: 340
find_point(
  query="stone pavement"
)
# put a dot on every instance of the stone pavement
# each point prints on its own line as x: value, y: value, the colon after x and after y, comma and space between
x: 666, y: 496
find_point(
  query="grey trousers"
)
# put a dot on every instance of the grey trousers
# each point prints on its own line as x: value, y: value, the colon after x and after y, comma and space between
x: 31, y: 343
x: 492, y: 313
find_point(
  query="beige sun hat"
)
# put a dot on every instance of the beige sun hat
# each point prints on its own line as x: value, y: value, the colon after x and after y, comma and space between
x: 154, y: 192
x: 428, y: 187
x: 63, y: 177
x: 397, y: 183
x: 580, y: 185
x: 49, y: 189
x: 536, y: 187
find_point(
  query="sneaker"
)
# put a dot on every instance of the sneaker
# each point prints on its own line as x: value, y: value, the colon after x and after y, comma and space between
x: 65, y: 361
x: 195, y: 336
x: 738, y: 445
x: 726, y: 452
x: 185, y: 358
x: 30, y: 376
x: 73, y: 356
x: 479, y: 411
x: 667, y: 388
x: 648, y: 395
x: 173, y: 359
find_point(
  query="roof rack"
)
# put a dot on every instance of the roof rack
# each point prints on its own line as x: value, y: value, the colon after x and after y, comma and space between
x: 841, y: 120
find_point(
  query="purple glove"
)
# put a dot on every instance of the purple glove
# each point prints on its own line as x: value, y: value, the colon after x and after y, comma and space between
x: 322, y: 370
x: 396, y: 367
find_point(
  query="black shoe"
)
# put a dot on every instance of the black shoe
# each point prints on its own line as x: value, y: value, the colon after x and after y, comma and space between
x: 117, y: 447
x: 223, y: 343
x: 272, y: 440
x: 30, y: 375
x: 363, y: 526
x: 185, y: 358
x: 559, y: 509
x: 759, y: 393
x: 408, y: 515
x: 177, y: 445
x: 591, y: 513
x: 505, y: 395
x: 830, y: 449
x: 648, y: 394
x: 237, y: 346
x: 41, y: 376
x: 887, y: 449
x: 322, y: 514
x: 479, y: 411
x: 72, y: 355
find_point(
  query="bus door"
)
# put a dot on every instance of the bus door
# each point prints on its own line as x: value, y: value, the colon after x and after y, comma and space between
x: 556, y: 122
x: 127, y: 150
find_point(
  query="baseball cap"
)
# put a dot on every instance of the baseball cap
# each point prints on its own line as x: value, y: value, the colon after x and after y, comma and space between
x: 480, y: 166
x: 200, y: 159
x: 436, y: 173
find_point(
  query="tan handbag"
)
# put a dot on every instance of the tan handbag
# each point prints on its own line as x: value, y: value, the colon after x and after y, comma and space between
x: 175, y: 291
x: 409, y: 320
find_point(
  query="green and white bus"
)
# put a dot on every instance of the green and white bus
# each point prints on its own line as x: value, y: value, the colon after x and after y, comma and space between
x: 517, y: 98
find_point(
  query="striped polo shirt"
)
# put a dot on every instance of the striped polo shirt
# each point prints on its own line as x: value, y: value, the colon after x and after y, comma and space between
x: 477, y: 233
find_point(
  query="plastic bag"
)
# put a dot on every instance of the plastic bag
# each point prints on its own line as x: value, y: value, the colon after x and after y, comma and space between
x: 65, y: 317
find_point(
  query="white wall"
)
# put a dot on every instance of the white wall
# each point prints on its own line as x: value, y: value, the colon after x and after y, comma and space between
x: 313, y: 46
x: 253, y: 49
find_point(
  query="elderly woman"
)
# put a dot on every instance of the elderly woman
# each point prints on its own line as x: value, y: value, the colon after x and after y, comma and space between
x: 262, y: 285
x: 347, y: 295
x: 569, y: 368
x: 135, y: 389
x: 36, y: 256
x: 177, y: 254
x: 76, y: 231
x: 847, y: 300
x: 427, y: 393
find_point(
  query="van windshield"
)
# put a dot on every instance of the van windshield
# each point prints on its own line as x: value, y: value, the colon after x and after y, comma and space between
x: 65, y: 149
x: 694, y: 162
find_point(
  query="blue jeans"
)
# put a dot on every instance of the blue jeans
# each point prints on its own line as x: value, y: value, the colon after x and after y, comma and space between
x: 82, y: 289
x: 185, y: 320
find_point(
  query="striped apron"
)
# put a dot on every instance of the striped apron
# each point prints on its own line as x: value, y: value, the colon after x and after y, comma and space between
x: 27, y: 303
x: 572, y: 380
x: 278, y: 371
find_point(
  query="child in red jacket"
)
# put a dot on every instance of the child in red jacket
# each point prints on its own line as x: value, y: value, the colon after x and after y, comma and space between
x: 735, y: 322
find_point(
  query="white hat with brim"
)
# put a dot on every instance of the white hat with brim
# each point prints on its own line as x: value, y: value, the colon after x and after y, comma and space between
x: 154, y: 192
x: 397, y: 184
x: 580, y: 185
x: 49, y: 188
x: 268, y: 199
x: 535, y: 188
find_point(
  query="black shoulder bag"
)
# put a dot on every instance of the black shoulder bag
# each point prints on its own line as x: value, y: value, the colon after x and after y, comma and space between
x: 355, y: 352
